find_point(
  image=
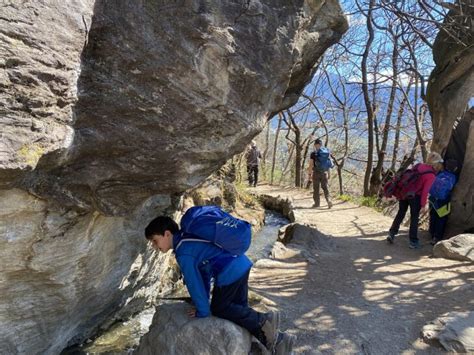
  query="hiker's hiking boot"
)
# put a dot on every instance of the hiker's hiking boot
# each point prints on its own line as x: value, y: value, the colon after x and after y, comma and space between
x: 315, y: 205
x: 284, y: 344
x: 270, y: 329
x: 414, y: 245
x: 391, y: 238
x: 329, y: 204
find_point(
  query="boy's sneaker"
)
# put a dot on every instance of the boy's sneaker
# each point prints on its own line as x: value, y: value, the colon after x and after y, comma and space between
x: 270, y: 329
x: 391, y: 238
x: 315, y: 205
x: 414, y: 245
x: 329, y: 204
x: 284, y: 344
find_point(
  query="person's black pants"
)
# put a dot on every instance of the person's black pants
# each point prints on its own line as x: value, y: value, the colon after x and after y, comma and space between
x: 415, y: 207
x: 252, y: 173
x: 437, y: 224
x: 230, y: 302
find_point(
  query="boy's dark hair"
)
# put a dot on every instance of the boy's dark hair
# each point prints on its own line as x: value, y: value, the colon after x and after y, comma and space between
x: 318, y: 141
x: 159, y: 225
x: 451, y: 165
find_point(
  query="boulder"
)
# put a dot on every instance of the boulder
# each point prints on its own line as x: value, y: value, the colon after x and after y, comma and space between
x: 62, y: 273
x: 449, y: 93
x: 112, y: 102
x: 109, y: 112
x: 307, y: 237
x: 460, y: 247
x: 461, y: 218
x: 454, y: 331
x: 173, y: 332
x: 279, y: 204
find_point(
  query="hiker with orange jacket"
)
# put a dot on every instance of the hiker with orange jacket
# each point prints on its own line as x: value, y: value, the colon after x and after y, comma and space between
x: 414, y: 194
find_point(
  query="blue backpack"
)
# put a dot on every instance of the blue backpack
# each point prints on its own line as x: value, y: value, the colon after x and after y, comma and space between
x: 443, y: 185
x: 324, y: 159
x: 210, y: 224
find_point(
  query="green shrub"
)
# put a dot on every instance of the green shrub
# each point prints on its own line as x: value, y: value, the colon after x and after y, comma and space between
x: 346, y: 198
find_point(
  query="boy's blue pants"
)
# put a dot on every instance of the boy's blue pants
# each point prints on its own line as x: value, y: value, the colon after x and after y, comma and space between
x: 230, y: 302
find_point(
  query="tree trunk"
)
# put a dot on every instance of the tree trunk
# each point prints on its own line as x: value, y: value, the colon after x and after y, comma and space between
x: 368, y: 104
x: 275, y: 145
x: 396, y: 144
x: 265, y: 152
x: 378, y: 170
x: 298, y: 149
x: 419, y: 116
x: 285, y: 170
x: 339, y: 176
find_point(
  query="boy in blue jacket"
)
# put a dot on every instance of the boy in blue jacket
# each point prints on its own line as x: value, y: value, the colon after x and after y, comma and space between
x: 201, y: 262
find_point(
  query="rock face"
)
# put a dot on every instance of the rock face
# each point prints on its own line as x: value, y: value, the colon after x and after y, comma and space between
x: 455, y: 331
x: 64, y: 273
x: 449, y: 91
x: 173, y: 332
x: 109, y: 111
x: 462, y: 216
x: 460, y: 248
x: 165, y: 94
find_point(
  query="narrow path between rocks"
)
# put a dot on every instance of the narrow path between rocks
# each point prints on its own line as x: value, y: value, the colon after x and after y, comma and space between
x: 351, y: 292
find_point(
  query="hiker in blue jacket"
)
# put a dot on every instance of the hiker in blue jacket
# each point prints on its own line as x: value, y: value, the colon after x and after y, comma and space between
x: 440, y: 197
x: 319, y: 164
x: 200, y: 262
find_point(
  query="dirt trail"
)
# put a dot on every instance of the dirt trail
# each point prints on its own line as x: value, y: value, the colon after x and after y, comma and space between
x: 360, y: 295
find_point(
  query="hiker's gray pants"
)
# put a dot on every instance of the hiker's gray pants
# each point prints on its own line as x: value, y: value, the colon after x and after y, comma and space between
x: 320, y: 178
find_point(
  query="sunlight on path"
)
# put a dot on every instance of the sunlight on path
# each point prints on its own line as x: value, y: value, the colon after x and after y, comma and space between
x: 365, y: 296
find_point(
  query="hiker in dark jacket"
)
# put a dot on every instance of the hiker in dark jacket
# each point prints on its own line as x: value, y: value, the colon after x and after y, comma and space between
x: 440, y: 197
x: 319, y: 164
x: 200, y: 262
x: 427, y: 176
x: 253, y: 157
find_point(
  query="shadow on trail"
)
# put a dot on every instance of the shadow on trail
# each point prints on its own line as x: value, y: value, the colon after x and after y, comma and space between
x: 365, y: 296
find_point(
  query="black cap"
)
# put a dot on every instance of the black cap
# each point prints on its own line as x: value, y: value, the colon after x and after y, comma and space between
x: 451, y: 165
x: 318, y: 141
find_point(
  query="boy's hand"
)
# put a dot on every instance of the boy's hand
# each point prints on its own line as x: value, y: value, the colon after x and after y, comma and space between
x: 192, y: 312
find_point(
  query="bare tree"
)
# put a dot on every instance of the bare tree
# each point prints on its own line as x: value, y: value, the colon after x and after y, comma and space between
x: 265, y: 151
x: 297, y: 142
x: 365, y: 90
x: 275, y: 145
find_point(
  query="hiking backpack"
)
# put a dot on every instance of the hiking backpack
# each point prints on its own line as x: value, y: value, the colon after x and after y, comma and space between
x: 210, y: 224
x: 442, y: 186
x: 406, y: 185
x: 324, y: 159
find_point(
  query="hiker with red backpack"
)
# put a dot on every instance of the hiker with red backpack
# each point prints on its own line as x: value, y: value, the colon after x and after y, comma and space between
x: 211, y: 245
x: 411, y: 189
x: 440, y: 197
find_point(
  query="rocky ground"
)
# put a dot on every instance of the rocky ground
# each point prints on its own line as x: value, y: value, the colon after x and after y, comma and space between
x: 345, y: 290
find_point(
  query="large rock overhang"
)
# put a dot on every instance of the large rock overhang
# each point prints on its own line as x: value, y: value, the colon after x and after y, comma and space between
x: 117, y: 100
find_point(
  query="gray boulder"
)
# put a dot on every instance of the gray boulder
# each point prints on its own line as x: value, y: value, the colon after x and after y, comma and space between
x: 461, y: 218
x: 112, y: 102
x: 173, y: 332
x: 460, y: 248
x: 454, y: 331
x: 449, y: 92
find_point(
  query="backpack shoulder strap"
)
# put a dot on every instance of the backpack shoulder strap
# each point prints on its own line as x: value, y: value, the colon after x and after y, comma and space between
x: 195, y: 240
x: 190, y: 240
